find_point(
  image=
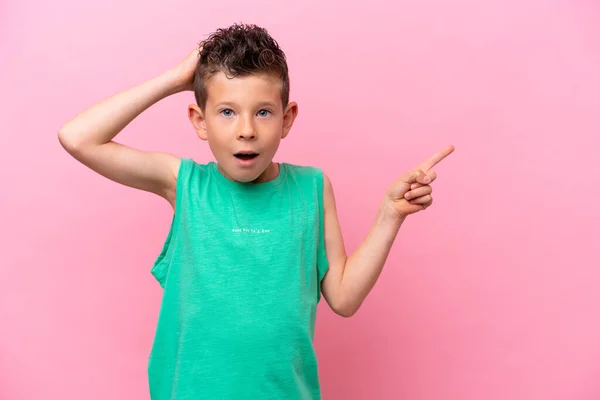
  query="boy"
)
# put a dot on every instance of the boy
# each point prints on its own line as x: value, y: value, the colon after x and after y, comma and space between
x: 253, y: 243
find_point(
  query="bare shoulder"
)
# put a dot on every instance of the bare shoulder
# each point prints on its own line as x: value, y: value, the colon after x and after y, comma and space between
x: 328, y: 195
x: 150, y: 171
x: 171, y: 164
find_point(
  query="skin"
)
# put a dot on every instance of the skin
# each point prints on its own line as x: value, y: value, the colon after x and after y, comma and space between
x: 244, y: 113
x: 349, y: 279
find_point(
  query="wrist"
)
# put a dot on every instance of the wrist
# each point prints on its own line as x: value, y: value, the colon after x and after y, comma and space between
x: 388, y: 214
x: 173, y: 82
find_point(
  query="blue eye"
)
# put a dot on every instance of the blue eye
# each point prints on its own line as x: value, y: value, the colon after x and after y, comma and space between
x: 227, y: 112
x: 264, y: 113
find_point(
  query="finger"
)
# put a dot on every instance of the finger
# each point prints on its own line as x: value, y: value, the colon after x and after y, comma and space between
x: 412, y: 176
x: 408, y: 180
x: 423, y: 178
x: 422, y: 191
x: 426, y: 205
x: 436, y: 158
x: 432, y: 176
x: 421, y: 200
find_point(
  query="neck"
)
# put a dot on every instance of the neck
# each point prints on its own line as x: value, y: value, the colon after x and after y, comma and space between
x: 268, y: 174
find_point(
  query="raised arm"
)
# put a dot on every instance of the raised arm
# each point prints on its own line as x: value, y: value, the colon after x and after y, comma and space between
x: 88, y: 137
x: 350, y: 278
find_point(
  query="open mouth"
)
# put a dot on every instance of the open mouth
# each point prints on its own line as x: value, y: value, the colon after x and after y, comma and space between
x: 246, y: 155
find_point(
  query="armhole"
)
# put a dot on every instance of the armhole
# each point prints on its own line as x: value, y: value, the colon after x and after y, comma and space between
x: 322, y: 263
x: 161, y: 266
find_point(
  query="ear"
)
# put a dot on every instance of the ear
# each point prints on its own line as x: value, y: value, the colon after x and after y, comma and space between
x: 289, y: 115
x: 198, y: 121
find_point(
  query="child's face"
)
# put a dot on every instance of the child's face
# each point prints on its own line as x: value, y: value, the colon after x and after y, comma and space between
x: 243, y: 122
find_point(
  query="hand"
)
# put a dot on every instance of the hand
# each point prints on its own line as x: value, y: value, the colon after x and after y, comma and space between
x: 185, y: 71
x: 412, y: 191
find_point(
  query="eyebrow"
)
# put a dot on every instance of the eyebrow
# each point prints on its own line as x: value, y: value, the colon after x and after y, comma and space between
x: 266, y: 103
x: 232, y: 104
x: 225, y: 103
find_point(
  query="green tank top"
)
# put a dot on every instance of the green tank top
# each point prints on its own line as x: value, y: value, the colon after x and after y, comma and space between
x: 241, y: 270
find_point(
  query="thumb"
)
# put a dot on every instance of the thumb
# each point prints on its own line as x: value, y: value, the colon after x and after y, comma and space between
x: 415, y: 176
x: 403, y: 184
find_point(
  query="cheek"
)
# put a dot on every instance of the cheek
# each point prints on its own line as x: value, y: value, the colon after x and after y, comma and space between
x: 219, y: 130
x: 217, y: 135
x: 276, y: 122
x: 273, y: 127
x: 213, y: 124
x: 273, y: 144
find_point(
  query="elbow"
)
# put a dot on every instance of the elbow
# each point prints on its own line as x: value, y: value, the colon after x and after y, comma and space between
x: 65, y: 139
x: 343, y: 303
x: 68, y: 141
x: 346, y: 310
x: 346, y: 313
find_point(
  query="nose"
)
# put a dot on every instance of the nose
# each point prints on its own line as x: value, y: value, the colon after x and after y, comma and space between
x: 246, y: 130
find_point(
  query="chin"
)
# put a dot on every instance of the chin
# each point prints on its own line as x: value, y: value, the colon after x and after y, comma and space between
x: 244, y: 175
x: 246, y: 178
x: 251, y: 177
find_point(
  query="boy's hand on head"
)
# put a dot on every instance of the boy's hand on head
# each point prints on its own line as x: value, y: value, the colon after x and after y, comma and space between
x: 412, y: 191
x: 185, y: 71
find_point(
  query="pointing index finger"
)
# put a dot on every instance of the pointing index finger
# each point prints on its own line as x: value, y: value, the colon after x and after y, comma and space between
x: 436, y: 158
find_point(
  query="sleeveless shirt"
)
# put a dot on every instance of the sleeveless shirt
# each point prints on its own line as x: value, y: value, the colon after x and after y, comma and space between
x: 240, y: 269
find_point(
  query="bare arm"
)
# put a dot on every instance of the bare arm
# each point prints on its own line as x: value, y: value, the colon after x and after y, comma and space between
x: 350, y: 279
x: 88, y: 137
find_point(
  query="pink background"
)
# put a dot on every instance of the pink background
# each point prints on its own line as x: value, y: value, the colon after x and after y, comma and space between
x: 493, y: 293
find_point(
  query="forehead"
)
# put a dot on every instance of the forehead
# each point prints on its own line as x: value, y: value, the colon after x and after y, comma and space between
x: 243, y: 89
